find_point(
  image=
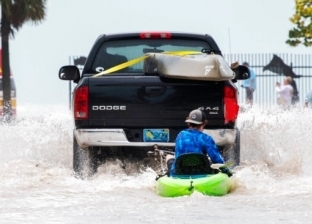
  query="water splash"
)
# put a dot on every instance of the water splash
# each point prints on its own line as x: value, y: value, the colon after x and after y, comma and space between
x: 37, y: 151
x: 275, y: 150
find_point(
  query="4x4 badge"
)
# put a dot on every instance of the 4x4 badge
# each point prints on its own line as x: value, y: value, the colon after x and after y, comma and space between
x: 208, y: 108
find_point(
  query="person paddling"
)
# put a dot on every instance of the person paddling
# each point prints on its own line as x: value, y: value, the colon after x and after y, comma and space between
x: 194, y: 140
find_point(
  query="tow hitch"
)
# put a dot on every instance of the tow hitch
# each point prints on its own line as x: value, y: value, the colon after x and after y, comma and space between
x: 158, y: 157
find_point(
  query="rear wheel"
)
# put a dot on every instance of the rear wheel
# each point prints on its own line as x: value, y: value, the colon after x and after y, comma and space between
x: 84, y: 160
x: 232, y: 154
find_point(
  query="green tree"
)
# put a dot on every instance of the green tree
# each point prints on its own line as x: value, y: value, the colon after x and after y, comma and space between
x: 14, y: 13
x: 302, y: 32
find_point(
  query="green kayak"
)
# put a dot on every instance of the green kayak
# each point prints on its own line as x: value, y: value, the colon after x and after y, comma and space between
x: 210, y: 184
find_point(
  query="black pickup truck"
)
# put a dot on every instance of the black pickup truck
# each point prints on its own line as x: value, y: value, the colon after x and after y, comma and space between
x: 127, y: 111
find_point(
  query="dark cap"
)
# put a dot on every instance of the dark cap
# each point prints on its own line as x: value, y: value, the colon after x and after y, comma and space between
x: 196, y: 117
x: 246, y: 63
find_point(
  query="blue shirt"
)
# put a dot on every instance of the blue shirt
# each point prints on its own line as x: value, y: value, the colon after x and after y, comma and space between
x: 308, y: 98
x: 246, y: 83
x: 195, y: 141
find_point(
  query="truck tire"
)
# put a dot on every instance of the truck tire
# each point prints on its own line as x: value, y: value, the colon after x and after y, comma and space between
x: 232, y: 154
x: 84, y: 161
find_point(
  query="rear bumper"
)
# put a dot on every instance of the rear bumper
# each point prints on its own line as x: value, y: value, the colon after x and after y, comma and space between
x: 117, y: 137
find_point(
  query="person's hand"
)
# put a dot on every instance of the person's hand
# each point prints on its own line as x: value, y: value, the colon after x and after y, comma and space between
x: 234, y: 65
x: 226, y: 171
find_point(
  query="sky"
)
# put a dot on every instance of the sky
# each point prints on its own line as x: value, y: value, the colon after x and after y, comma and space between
x: 71, y: 27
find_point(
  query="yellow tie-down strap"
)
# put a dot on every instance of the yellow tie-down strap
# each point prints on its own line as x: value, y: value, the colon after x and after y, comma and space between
x: 137, y: 60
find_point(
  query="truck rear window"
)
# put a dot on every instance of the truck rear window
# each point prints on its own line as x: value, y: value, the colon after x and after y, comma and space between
x: 116, y: 52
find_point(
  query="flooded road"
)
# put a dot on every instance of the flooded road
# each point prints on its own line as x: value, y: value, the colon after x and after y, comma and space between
x: 272, y: 185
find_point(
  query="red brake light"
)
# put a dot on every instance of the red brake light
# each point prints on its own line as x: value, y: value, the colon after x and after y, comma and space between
x: 81, y: 103
x: 230, y: 104
x: 155, y: 35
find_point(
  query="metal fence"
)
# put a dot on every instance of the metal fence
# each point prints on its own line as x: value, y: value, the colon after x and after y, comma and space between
x: 265, y: 95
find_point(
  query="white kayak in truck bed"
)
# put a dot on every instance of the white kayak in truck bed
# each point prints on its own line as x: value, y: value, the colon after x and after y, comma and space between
x: 208, y: 67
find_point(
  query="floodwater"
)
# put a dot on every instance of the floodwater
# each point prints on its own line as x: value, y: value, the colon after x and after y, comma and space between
x: 272, y: 185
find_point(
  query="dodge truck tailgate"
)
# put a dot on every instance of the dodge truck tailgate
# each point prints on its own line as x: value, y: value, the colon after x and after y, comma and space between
x: 151, y: 101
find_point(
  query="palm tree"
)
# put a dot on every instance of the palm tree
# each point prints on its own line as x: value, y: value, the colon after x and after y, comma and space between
x: 14, y: 13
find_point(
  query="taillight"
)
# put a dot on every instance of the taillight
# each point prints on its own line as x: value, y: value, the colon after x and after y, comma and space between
x: 81, y: 103
x: 230, y: 104
x: 155, y: 35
